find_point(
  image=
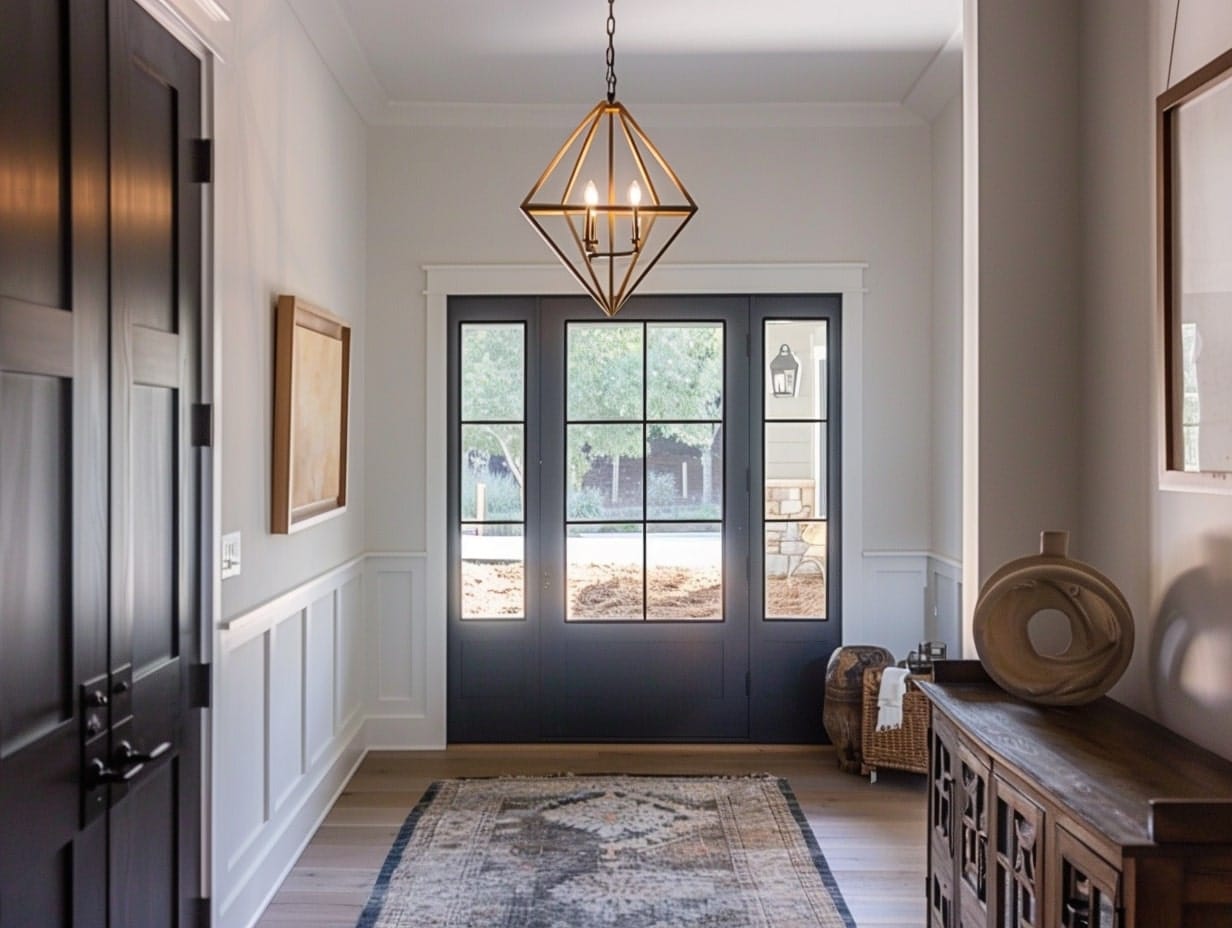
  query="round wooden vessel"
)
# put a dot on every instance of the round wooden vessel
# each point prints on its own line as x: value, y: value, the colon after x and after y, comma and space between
x: 1101, y: 627
x: 842, y: 712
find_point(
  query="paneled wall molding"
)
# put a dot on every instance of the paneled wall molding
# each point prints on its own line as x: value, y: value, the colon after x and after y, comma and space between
x: 943, y: 606
x: 289, y: 729
x: 911, y: 596
x: 406, y: 698
x: 353, y: 660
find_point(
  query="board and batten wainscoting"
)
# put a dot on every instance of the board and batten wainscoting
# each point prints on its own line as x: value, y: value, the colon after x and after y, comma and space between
x: 911, y: 596
x: 306, y: 684
x: 310, y: 681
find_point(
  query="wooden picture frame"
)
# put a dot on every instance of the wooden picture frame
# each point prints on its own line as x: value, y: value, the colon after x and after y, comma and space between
x: 312, y: 373
x: 1194, y: 186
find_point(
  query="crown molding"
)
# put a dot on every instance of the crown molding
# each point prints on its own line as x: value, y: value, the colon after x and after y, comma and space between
x: 652, y: 115
x: 330, y: 31
x: 940, y: 82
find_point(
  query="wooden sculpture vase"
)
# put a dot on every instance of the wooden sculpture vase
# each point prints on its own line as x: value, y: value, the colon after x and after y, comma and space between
x: 1101, y: 627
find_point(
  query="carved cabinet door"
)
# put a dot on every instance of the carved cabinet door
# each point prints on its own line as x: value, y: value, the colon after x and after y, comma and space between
x: 942, y: 901
x: 1018, y: 826
x: 972, y: 813
x: 1088, y: 891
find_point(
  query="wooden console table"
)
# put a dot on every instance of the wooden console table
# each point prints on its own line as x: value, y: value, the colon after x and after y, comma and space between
x: 1091, y: 817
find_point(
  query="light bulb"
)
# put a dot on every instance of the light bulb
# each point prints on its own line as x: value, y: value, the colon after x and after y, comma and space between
x: 591, y: 196
x: 635, y: 194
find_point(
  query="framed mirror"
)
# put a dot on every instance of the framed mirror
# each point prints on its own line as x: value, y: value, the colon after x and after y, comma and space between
x: 1194, y: 166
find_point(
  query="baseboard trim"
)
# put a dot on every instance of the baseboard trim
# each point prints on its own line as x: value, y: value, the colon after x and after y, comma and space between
x: 404, y: 733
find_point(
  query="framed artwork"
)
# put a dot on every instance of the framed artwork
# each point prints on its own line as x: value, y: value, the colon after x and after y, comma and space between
x: 312, y: 373
x: 1194, y: 173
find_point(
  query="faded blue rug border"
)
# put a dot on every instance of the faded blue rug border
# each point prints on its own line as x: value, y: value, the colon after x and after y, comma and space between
x: 376, y: 902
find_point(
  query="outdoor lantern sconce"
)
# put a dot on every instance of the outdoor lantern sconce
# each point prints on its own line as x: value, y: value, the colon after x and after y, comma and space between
x: 785, y: 372
x: 631, y: 205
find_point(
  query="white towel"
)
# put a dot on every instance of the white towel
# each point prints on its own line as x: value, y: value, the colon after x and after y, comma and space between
x: 890, y: 698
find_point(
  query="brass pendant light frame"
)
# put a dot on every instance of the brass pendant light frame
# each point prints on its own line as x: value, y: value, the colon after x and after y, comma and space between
x: 608, y: 287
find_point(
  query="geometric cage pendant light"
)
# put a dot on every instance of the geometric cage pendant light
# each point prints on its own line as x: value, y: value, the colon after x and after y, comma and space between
x: 611, y: 233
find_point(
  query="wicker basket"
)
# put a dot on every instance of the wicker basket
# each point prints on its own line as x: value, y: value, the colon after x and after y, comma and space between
x: 903, y: 748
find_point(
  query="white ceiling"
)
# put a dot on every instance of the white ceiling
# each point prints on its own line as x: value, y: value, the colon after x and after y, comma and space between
x: 407, y: 53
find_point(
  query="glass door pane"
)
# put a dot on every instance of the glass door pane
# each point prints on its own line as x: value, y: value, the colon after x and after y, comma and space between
x: 795, y: 468
x: 492, y: 470
x: 644, y: 471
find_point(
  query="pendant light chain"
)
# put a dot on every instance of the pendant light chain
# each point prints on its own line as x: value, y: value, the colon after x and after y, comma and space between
x: 611, y: 51
x: 607, y: 242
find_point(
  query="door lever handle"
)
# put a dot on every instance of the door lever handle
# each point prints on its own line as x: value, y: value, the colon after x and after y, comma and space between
x: 126, y: 755
x: 99, y: 774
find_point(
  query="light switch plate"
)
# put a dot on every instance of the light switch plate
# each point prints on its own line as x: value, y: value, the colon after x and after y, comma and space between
x: 230, y: 559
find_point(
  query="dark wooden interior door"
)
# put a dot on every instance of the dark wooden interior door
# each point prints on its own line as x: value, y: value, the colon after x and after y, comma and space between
x: 100, y: 244
x: 155, y: 593
x: 53, y: 457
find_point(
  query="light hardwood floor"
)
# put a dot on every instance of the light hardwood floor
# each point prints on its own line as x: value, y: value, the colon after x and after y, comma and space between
x: 872, y: 835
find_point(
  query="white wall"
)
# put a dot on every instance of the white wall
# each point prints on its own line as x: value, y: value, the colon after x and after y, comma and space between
x: 946, y: 134
x: 291, y: 679
x: 1026, y: 383
x: 1078, y: 168
x: 290, y: 218
x: 1169, y: 550
x: 450, y: 195
x: 943, y: 621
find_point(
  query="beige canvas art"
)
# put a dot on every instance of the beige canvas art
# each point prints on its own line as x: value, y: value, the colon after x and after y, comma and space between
x: 311, y: 385
x: 316, y: 438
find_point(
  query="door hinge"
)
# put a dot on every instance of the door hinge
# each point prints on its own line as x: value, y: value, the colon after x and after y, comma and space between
x: 199, y: 686
x: 202, y: 425
x: 202, y: 158
x: 202, y: 907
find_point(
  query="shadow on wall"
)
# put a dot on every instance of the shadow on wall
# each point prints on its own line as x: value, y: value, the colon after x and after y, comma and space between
x: 1191, y: 653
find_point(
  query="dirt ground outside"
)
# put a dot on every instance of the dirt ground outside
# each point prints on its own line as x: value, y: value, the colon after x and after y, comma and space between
x: 597, y: 592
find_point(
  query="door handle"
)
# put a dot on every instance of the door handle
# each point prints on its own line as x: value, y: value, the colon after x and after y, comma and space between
x: 99, y: 774
x: 126, y: 755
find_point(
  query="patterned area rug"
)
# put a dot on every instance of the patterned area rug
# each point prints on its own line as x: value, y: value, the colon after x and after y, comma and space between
x: 581, y: 851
